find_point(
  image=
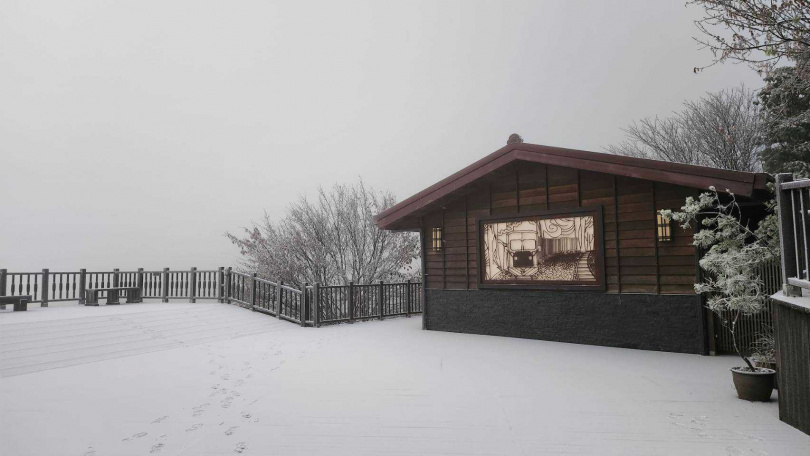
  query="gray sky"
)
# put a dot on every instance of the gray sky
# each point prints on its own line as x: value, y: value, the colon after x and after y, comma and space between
x: 136, y: 133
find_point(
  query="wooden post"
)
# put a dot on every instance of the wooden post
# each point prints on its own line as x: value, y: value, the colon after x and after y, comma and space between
x: 303, y: 313
x: 82, y: 285
x: 3, y: 278
x: 278, y: 299
x: 164, y: 285
x: 192, y: 285
x: 351, y: 301
x: 46, y: 280
x: 316, y: 317
x: 424, y: 300
x: 252, y: 291
x: 139, y: 281
x: 785, y: 211
x: 408, y: 298
x: 115, y: 278
x: 221, y: 284
x: 228, y: 291
x: 380, y: 295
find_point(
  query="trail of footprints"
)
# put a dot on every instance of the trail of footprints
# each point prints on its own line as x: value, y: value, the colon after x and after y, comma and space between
x: 229, y: 394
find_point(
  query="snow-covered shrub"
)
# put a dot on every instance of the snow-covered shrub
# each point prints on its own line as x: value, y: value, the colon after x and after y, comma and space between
x: 734, y: 252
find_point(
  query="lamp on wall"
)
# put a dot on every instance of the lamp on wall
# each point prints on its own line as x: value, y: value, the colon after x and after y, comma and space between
x: 664, y: 228
x: 436, y: 240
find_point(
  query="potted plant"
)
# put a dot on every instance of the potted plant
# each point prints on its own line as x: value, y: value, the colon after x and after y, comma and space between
x: 733, y: 254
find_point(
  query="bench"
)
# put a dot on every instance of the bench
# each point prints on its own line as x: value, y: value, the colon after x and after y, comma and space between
x: 91, y: 295
x: 20, y: 302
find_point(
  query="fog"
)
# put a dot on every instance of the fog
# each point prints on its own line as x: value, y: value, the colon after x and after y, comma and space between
x: 135, y: 134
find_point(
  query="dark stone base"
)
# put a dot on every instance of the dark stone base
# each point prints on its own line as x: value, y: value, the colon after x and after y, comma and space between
x: 673, y: 323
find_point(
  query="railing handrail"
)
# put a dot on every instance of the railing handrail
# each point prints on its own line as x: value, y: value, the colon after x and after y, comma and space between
x: 305, y: 304
x: 790, y: 185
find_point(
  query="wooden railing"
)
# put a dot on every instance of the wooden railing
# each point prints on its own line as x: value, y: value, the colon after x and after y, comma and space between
x: 47, y: 286
x: 793, y: 201
x: 316, y: 305
x: 307, y: 305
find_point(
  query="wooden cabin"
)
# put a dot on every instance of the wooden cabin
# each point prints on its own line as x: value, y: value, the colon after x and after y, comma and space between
x: 566, y: 245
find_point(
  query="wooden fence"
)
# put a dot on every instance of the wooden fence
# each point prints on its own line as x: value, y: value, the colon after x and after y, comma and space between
x: 47, y: 286
x: 751, y: 328
x: 316, y: 305
x: 309, y: 305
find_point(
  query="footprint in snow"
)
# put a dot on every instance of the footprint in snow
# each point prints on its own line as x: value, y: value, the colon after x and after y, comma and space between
x: 156, y: 448
x: 90, y: 452
x: 226, y: 402
x: 135, y: 436
x: 231, y: 430
x: 240, y: 448
x: 200, y: 408
x: 158, y: 420
x: 194, y: 428
x: 733, y: 451
x: 246, y: 415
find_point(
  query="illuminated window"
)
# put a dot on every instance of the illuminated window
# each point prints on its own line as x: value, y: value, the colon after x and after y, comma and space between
x: 436, y: 240
x: 664, y: 229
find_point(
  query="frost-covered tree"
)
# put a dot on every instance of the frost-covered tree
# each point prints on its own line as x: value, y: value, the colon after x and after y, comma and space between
x: 785, y: 102
x: 331, y: 240
x: 733, y: 254
x: 757, y: 32
x: 720, y: 130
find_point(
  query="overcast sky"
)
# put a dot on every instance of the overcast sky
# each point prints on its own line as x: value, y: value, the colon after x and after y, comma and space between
x: 136, y: 133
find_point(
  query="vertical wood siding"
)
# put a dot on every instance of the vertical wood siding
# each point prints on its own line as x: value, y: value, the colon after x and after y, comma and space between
x: 635, y: 261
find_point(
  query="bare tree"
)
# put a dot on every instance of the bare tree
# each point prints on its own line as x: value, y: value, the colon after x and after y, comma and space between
x: 329, y: 240
x: 721, y: 130
x: 757, y: 32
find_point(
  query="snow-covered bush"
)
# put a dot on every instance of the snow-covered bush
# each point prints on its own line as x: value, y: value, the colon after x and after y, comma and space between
x: 734, y: 252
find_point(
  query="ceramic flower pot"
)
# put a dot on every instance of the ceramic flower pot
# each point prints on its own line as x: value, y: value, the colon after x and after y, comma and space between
x: 753, y: 386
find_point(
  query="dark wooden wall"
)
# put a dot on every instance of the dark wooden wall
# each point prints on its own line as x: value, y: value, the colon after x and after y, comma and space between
x: 635, y: 261
x: 793, y: 363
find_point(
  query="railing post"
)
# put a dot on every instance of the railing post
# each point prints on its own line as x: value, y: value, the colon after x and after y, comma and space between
x: 380, y: 294
x: 139, y: 281
x: 351, y: 301
x: 192, y: 285
x: 785, y: 213
x: 303, y: 313
x: 46, y: 282
x: 423, y: 293
x: 228, y: 279
x: 82, y: 284
x: 408, y: 298
x: 115, y: 278
x: 221, y: 284
x: 164, y: 285
x: 252, y: 291
x: 3, y: 278
x: 278, y: 299
x: 316, y: 294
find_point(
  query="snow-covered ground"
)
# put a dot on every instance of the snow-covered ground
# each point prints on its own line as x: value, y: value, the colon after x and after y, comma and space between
x: 214, y: 379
